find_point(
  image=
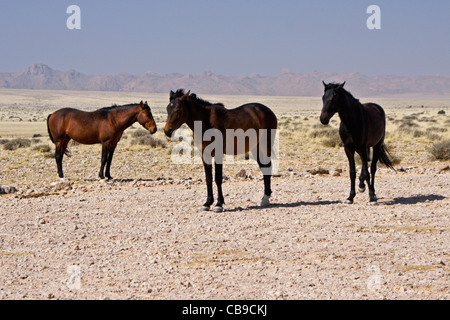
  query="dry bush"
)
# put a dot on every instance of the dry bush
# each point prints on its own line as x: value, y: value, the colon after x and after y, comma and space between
x: 139, y: 133
x: 329, y: 136
x: 440, y: 151
x: 42, y: 148
x: 16, y: 144
x: 148, y: 140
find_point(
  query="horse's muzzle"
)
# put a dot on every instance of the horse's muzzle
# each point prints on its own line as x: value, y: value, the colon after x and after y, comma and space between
x: 152, y: 130
x: 324, y: 119
x: 168, y: 132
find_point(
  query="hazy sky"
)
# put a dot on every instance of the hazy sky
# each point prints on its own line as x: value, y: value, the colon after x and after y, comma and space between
x: 231, y: 37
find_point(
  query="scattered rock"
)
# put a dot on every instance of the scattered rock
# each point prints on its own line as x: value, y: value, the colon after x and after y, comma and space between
x: 319, y: 170
x: 7, y: 190
x: 241, y: 174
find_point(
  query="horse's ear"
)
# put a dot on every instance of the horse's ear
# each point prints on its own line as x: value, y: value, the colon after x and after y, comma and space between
x: 341, y: 85
x: 324, y: 84
x: 188, y: 93
x: 146, y: 103
x: 171, y: 94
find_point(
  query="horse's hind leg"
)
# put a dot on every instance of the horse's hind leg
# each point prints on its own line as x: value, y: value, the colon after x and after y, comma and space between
x: 373, y: 170
x: 265, y: 165
x: 110, y: 154
x: 60, y: 149
x: 209, y: 178
x: 218, y: 167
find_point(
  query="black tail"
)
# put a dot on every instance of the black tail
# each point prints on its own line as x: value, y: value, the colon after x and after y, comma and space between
x: 48, y: 129
x: 67, y: 151
x: 385, y: 157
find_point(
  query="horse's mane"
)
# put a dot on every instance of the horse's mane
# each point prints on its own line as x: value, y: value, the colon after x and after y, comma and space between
x: 115, y: 106
x: 202, y: 102
x: 215, y: 111
x: 348, y: 95
x: 351, y: 97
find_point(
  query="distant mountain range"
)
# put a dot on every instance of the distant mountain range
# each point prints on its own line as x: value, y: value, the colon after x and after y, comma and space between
x: 287, y: 83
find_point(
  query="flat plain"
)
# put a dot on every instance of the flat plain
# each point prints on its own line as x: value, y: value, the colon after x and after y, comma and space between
x: 141, y: 235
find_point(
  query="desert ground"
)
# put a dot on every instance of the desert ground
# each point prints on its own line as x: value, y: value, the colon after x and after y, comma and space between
x: 142, y: 235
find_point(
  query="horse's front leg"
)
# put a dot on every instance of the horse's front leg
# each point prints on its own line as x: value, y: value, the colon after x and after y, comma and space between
x: 209, y: 178
x: 351, y: 160
x: 218, y: 167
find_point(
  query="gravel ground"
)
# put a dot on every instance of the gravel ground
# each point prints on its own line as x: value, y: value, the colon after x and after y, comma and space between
x: 139, y: 239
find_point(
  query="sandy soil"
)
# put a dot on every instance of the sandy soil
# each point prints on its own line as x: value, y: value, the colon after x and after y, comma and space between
x: 148, y: 240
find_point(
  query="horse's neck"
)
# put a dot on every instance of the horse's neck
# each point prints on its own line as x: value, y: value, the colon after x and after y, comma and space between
x: 199, y: 113
x: 126, y: 117
x: 351, y: 115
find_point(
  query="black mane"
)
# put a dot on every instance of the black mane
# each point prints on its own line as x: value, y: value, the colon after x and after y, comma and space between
x: 334, y: 85
x: 115, y: 106
x: 180, y: 92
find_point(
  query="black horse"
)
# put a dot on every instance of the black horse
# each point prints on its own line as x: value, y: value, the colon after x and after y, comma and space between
x: 362, y: 127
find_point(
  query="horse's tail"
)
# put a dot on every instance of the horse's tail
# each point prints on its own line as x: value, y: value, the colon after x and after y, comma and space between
x: 67, y: 151
x: 385, y: 157
x: 48, y: 129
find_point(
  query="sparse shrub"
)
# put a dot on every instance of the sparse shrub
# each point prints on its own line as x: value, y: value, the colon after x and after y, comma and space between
x: 441, y: 151
x: 418, y: 133
x: 329, y: 136
x: 410, y: 117
x: 408, y: 124
x: 140, y: 133
x: 42, y: 148
x: 148, y: 140
x: 16, y: 144
x: 333, y: 141
x: 322, y: 131
x: 436, y: 129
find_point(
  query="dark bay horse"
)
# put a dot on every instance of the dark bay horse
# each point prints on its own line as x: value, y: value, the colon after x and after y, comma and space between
x: 362, y: 127
x: 104, y: 126
x: 253, y: 125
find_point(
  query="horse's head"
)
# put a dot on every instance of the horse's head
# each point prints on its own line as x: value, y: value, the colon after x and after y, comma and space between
x: 145, y: 117
x: 177, y: 111
x: 330, y: 101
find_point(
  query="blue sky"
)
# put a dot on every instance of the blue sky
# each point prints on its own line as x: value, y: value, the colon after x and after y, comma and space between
x: 232, y: 37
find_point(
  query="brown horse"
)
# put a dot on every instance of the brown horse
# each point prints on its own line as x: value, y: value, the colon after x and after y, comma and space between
x: 253, y: 125
x: 104, y: 126
x: 362, y: 127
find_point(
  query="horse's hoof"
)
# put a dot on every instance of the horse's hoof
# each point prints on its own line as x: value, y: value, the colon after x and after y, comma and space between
x: 265, y: 201
x: 218, y: 209
x: 361, y: 190
x: 63, y: 179
x: 348, y: 201
x: 373, y: 203
x: 204, y: 208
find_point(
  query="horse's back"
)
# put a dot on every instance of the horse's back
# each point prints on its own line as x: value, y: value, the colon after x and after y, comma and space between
x: 253, y: 115
x: 82, y: 126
